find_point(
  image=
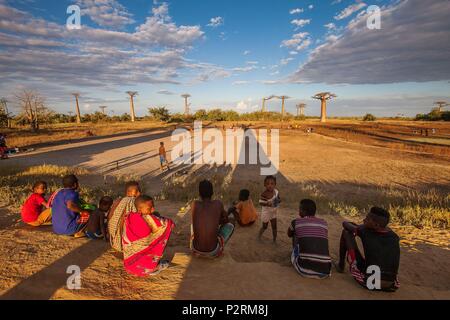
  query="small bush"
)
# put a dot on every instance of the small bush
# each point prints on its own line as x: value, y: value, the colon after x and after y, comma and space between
x: 369, y: 117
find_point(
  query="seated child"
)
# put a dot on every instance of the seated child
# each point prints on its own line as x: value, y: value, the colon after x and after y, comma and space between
x: 244, y: 211
x: 269, y: 202
x: 35, y: 211
x: 210, y: 229
x: 69, y: 214
x: 145, y: 237
x: 381, y: 248
x: 95, y: 228
x: 310, y: 255
x: 3, y: 147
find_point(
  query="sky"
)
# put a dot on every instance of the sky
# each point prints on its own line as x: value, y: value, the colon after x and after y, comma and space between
x: 229, y: 54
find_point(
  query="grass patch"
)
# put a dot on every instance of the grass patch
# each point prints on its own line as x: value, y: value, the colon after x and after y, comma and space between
x: 16, y: 183
x: 407, y: 207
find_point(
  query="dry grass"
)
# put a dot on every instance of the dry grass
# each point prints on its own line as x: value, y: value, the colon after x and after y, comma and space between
x: 23, y: 137
x: 16, y: 183
x: 407, y: 207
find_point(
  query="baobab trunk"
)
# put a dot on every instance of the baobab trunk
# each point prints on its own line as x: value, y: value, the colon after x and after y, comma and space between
x: 78, y: 112
x: 282, y: 109
x: 133, y: 115
x: 323, y: 115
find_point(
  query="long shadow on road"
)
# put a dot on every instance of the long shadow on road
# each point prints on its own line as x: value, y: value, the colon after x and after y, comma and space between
x: 43, y: 284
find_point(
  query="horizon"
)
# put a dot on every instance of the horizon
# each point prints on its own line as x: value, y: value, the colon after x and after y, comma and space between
x: 229, y: 55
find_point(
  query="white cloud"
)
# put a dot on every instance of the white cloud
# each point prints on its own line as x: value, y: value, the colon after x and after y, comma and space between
x: 296, y: 11
x: 293, y: 53
x: 237, y: 83
x: 409, y: 48
x: 216, y: 22
x: 350, y: 10
x: 106, y: 13
x: 165, y: 92
x: 298, y: 42
x: 246, y: 52
x: 246, y: 105
x: 301, y: 22
x: 330, y: 26
x: 210, y: 73
x: 245, y: 69
x: 285, y: 61
x: 310, y: 7
x: 34, y: 49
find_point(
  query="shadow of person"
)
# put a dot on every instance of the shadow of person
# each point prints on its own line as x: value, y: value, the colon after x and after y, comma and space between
x: 44, y: 283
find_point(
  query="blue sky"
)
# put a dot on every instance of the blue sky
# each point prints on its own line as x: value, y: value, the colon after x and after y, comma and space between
x: 229, y: 54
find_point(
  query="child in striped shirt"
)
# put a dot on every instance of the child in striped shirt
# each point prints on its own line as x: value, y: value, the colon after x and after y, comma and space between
x: 310, y: 255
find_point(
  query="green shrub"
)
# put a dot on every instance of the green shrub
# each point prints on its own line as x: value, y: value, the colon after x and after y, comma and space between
x: 369, y: 117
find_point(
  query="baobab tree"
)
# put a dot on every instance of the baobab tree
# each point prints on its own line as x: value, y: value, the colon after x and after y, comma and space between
x: 324, y: 97
x: 301, y: 109
x: 132, y: 94
x: 283, y: 109
x: 441, y: 104
x: 187, y: 105
x: 77, y: 96
x: 264, y: 102
x: 103, y: 108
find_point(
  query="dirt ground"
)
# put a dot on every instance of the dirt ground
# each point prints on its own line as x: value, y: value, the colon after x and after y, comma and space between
x: 34, y: 261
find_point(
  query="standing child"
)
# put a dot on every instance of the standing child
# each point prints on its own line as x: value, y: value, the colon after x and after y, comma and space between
x: 163, y: 157
x: 96, y: 228
x: 35, y: 210
x: 244, y: 211
x: 269, y: 201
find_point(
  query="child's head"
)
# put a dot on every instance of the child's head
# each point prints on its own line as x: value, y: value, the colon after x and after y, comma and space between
x: 307, y: 208
x: 270, y: 182
x: 205, y: 189
x: 377, y: 218
x: 132, y: 189
x: 105, y: 203
x: 244, y: 194
x: 144, y: 204
x: 70, y: 182
x: 161, y: 144
x: 40, y: 187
